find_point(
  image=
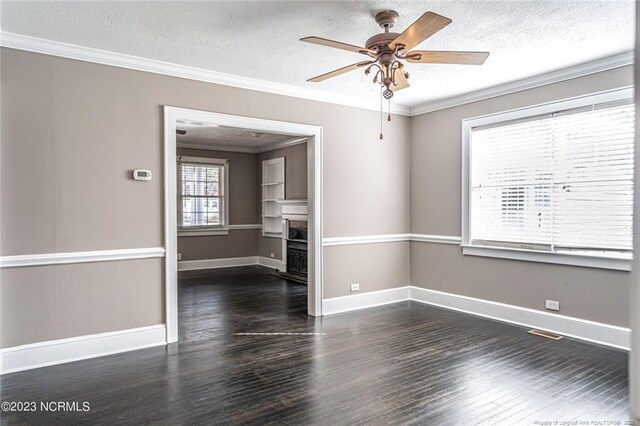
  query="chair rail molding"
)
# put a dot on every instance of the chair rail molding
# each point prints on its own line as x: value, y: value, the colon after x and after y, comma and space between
x: 18, y: 261
x: 441, y: 239
x: 389, y: 238
x: 246, y: 226
x: 364, y: 239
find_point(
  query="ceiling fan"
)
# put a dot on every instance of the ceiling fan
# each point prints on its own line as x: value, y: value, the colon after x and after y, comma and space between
x: 387, y: 49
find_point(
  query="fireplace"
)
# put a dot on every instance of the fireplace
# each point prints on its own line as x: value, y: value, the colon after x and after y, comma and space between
x: 295, y: 240
x: 297, y: 248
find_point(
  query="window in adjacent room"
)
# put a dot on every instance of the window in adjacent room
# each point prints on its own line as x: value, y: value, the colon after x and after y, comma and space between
x: 552, y: 183
x: 202, y: 195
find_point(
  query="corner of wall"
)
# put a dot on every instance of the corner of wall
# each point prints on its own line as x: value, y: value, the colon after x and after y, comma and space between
x: 634, y: 359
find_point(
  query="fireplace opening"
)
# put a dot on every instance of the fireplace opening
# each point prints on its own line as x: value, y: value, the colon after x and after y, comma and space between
x: 296, y: 250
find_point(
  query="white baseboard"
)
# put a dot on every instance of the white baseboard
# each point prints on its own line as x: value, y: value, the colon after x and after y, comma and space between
x: 271, y: 263
x: 194, y: 265
x: 53, y: 352
x: 591, y: 331
x: 354, y: 302
x: 229, y: 262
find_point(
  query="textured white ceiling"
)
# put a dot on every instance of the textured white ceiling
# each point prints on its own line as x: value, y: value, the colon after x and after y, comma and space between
x: 204, y: 135
x: 260, y: 39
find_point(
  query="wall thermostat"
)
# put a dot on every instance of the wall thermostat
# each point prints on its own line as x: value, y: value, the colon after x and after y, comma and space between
x: 140, y: 174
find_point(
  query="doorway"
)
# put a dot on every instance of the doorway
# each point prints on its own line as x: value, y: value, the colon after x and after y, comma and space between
x: 313, y: 135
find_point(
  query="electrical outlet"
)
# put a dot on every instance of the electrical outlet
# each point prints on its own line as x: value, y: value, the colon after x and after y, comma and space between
x: 552, y: 305
x: 179, y: 256
x: 355, y: 287
x: 272, y: 255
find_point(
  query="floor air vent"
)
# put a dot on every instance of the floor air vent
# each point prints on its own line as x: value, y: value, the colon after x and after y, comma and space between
x: 545, y: 334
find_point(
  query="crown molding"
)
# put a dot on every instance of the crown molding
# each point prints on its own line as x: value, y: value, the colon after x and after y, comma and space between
x: 256, y: 150
x: 580, y: 70
x: 283, y: 144
x: 120, y: 60
x: 224, y: 148
x: 388, y: 238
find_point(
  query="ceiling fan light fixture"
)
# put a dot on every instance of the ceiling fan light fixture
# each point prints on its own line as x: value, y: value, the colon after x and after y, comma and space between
x: 388, y: 49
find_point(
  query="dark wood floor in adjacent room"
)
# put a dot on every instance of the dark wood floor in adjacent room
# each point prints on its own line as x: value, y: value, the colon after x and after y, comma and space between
x: 405, y: 363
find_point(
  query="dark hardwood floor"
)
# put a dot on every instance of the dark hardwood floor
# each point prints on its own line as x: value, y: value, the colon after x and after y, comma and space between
x: 405, y: 363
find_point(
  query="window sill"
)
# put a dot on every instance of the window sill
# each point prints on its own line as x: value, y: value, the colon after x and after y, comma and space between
x: 202, y: 232
x: 586, y: 259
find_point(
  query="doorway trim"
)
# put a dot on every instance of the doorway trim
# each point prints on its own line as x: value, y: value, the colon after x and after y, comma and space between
x: 314, y: 196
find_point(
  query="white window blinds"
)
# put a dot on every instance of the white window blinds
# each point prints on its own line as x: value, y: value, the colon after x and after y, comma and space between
x: 555, y: 182
x: 201, y: 198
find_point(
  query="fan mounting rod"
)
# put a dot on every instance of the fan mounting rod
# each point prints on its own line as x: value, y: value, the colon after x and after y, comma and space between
x: 387, y: 19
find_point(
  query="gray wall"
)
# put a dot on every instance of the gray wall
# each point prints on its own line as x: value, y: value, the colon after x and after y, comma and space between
x: 54, y: 302
x: 295, y: 163
x: 391, y: 268
x: 82, y: 127
x: 594, y: 294
x: 243, y: 209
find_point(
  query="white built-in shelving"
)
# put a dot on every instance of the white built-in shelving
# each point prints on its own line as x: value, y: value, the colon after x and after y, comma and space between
x: 272, y: 193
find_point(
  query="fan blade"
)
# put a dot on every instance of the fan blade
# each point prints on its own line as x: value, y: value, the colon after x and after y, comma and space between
x: 338, y: 45
x: 426, y: 26
x: 443, y: 57
x: 401, y: 80
x: 339, y: 71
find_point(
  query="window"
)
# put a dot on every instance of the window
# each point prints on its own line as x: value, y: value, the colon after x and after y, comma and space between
x: 552, y: 183
x: 202, y: 196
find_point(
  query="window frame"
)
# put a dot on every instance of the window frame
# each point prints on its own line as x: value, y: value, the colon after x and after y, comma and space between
x: 222, y: 229
x: 587, y: 258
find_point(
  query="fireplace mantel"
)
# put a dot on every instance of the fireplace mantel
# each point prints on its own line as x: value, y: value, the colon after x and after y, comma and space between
x: 294, y: 210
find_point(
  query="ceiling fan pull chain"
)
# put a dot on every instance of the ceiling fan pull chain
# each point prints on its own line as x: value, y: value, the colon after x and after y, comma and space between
x: 381, y: 112
x: 389, y: 116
